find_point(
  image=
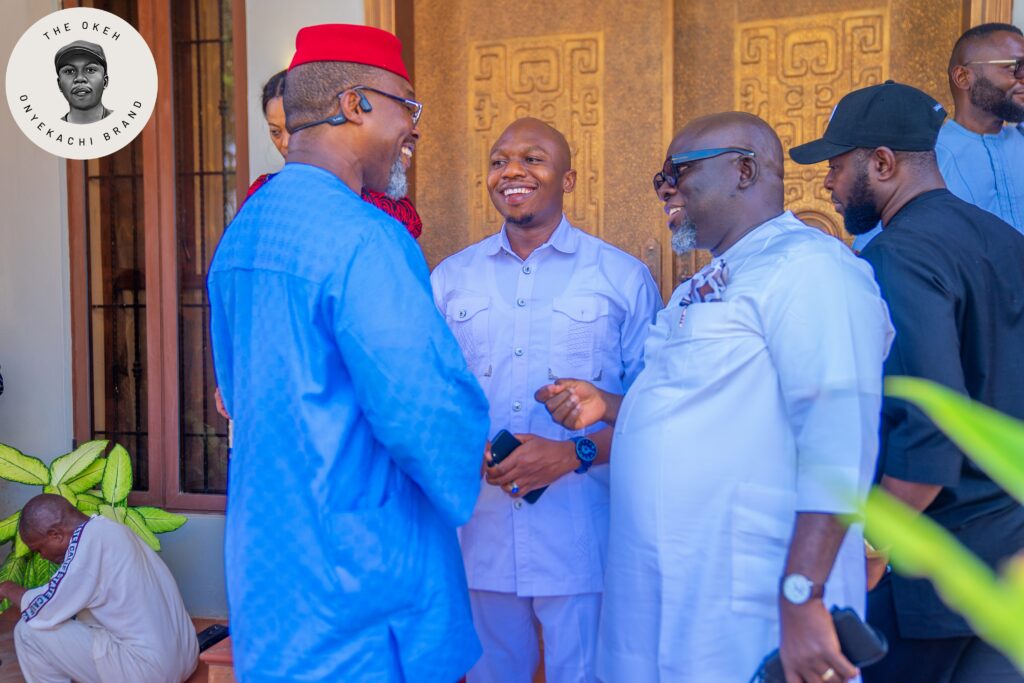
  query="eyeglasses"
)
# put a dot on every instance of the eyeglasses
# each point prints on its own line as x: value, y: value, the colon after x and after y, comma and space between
x: 670, y: 172
x: 415, y: 108
x: 1018, y: 65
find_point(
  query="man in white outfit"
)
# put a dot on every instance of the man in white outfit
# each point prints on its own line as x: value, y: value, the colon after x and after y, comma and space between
x: 110, y: 614
x: 538, y: 300
x: 752, y: 426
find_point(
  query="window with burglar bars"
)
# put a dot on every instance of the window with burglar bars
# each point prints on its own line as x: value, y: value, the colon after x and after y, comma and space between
x: 144, y: 224
x: 204, y: 154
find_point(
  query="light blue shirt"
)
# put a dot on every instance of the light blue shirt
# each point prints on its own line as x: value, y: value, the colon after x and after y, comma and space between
x: 358, y: 439
x: 984, y: 170
x: 575, y: 307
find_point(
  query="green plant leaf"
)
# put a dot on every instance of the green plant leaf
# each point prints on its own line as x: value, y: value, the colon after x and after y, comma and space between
x: 39, y: 571
x: 88, y: 478
x: 20, y: 549
x: 74, y: 463
x: 14, y: 568
x: 9, y: 527
x: 62, y: 490
x: 24, y: 469
x: 137, y: 524
x: 992, y: 440
x: 115, y: 513
x: 89, y: 503
x: 160, y: 521
x: 117, y: 476
x: 920, y: 547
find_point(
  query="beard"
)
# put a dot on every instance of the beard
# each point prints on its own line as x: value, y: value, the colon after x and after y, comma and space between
x: 986, y: 96
x: 525, y: 219
x: 859, y: 213
x: 684, y: 237
x: 398, y: 183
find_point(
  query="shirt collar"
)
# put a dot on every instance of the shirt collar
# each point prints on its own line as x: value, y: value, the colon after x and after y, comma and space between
x: 754, y: 240
x: 971, y: 135
x: 563, y: 239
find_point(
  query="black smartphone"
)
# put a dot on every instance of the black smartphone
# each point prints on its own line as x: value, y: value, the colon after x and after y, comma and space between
x: 502, y: 446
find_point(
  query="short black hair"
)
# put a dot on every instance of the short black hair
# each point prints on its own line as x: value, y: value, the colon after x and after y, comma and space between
x: 976, y: 33
x: 274, y: 88
x: 312, y: 89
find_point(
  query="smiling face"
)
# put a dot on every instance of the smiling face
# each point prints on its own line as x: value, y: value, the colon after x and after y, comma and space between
x: 81, y: 80
x: 529, y: 174
x: 394, y: 133
x: 852, y: 195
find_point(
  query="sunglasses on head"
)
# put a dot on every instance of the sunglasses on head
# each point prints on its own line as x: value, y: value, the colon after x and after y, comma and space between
x: 670, y: 172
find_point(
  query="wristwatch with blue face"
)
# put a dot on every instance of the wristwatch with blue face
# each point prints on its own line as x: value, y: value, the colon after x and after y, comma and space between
x: 586, y: 451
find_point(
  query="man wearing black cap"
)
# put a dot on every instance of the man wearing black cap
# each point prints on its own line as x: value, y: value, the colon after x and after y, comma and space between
x: 952, y: 275
x: 82, y: 78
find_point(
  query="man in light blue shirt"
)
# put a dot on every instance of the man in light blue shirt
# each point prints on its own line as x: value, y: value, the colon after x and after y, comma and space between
x: 541, y: 299
x: 358, y: 428
x: 981, y: 151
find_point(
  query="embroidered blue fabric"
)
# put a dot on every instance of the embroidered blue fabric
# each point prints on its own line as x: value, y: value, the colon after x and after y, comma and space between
x: 358, y: 437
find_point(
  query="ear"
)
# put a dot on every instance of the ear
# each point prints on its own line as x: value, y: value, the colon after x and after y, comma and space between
x: 882, y: 163
x: 569, y: 181
x: 749, y: 171
x: 348, y: 107
x: 961, y: 77
x: 106, y: 81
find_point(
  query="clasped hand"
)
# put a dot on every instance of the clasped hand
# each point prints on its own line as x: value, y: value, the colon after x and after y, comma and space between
x: 535, y: 464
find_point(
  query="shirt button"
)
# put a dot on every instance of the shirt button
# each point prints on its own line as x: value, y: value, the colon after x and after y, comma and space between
x: 527, y: 269
x: 520, y: 302
x: 517, y: 406
x: 518, y: 352
x: 518, y: 504
x: 462, y: 313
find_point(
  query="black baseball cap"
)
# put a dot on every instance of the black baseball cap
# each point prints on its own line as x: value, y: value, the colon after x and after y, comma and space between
x: 80, y: 46
x: 890, y: 115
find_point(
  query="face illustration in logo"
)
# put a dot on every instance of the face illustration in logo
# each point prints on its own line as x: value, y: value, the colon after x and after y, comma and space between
x: 82, y: 78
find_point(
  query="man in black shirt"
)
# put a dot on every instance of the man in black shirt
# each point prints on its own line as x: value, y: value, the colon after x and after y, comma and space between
x: 953, y: 276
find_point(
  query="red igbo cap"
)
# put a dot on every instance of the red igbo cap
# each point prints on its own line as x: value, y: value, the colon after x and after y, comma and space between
x: 349, y: 43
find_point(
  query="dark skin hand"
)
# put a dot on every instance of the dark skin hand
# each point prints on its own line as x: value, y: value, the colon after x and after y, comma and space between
x: 809, y: 646
x: 576, y: 404
x: 12, y: 591
x: 539, y: 462
x: 917, y: 496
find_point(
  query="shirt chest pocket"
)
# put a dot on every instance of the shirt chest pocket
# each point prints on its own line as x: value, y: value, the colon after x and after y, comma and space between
x: 578, y: 328
x: 469, y: 318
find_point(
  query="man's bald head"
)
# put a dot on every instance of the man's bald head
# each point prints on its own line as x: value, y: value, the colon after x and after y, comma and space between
x: 537, y: 128
x: 46, y: 512
x: 737, y: 129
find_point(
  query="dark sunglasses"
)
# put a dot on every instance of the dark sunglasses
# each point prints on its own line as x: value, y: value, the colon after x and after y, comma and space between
x: 1017, y: 64
x: 670, y: 172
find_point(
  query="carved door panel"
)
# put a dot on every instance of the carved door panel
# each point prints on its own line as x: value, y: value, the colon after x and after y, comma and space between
x: 791, y: 62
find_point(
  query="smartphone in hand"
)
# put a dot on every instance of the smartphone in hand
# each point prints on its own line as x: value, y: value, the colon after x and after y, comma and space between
x: 502, y: 446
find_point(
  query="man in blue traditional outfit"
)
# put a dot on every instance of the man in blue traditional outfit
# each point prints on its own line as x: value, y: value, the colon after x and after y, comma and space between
x: 358, y: 428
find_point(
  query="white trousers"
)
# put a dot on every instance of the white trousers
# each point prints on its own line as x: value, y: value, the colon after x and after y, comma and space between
x: 507, y: 627
x: 56, y: 656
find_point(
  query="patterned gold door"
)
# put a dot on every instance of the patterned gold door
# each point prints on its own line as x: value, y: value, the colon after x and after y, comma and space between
x: 618, y: 78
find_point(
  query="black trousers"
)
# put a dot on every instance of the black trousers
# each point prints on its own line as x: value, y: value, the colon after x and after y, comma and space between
x: 939, y: 660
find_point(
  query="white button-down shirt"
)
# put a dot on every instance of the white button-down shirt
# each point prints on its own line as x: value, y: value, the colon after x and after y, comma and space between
x: 576, y: 307
x: 748, y: 410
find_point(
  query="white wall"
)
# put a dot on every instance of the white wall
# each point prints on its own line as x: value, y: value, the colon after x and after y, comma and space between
x: 270, y: 29
x: 1018, y: 14
x: 35, y: 309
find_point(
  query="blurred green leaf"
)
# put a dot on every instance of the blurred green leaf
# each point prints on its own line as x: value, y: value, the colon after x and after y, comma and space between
x: 39, y: 571
x: 992, y: 440
x: 9, y: 527
x: 117, y: 476
x: 69, y: 466
x: 117, y: 514
x: 89, y: 503
x: 88, y: 478
x: 137, y: 524
x: 63, y: 491
x: 160, y: 521
x: 24, y: 469
x: 20, y: 549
